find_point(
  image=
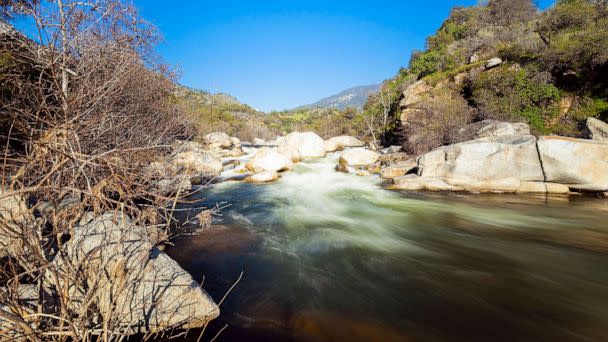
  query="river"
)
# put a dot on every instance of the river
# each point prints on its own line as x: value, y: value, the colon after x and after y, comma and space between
x: 328, y: 256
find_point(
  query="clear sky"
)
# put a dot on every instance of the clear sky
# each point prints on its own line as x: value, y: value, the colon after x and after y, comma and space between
x: 284, y: 53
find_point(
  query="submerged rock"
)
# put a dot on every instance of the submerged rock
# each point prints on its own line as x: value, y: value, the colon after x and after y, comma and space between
x: 578, y: 163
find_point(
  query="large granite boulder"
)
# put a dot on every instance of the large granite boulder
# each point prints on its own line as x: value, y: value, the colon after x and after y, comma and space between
x: 302, y: 145
x: 218, y: 140
x: 485, y: 159
x: 198, y: 161
x: 497, y: 128
x: 267, y: 159
x: 347, y: 141
x: 578, y: 163
x: 331, y: 146
x: 134, y: 283
x: 597, y: 129
x: 358, y: 157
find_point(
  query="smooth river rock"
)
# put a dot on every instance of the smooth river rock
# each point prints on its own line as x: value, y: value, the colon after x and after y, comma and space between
x: 298, y: 145
x: 263, y: 177
x: 267, y: 159
x: 358, y: 157
x: 484, y: 160
x: 347, y: 141
x: 580, y: 164
x: 197, y: 161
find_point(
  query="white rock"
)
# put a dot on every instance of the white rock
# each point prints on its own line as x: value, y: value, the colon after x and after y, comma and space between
x: 218, y: 139
x: 302, y: 145
x: 597, y: 129
x: 495, y: 129
x: 493, y: 62
x: 347, y: 141
x: 578, y: 163
x: 263, y: 177
x: 267, y: 159
x: 331, y: 146
x: 198, y: 162
x: 358, y: 157
x: 486, y: 159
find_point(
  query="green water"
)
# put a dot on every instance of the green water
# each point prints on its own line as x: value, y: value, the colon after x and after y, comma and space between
x: 333, y: 257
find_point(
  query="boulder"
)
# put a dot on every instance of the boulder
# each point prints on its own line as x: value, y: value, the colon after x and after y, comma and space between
x: 497, y: 128
x: 398, y: 169
x: 578, y: 163
x: 543, y: 188
x: 14, y: 213
x: 414, y: 182
x: 331, y: 146
x: 302, y: 145
x: 408, y: 113
x: 218, y: 140
x: 493, y: 62
x: 483, y: 160
x: 197, y: 161
x: 236, y: 142
x: 411, y: 95
x: 597, y: 129
x: 347, y: 141
x: 258, y: 141
x: 394, y: 149
x: 267, y: 159
x: 142, y: 288
x: 498, y: 185
x: 358, y: 157
x: 263, y: 177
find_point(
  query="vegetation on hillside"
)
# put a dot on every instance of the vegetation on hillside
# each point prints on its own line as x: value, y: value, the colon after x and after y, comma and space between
x: 553, y: 75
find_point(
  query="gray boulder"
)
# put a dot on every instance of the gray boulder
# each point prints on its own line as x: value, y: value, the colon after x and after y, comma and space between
x: 597, y: 129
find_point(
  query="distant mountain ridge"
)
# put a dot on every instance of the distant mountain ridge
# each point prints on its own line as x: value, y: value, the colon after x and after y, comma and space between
x: 353, y: 97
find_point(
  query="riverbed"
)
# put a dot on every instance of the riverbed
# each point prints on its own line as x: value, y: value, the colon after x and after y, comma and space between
x: 328, y: 256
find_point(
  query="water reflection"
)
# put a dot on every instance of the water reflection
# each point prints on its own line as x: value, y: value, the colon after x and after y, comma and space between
x: 329, y: 256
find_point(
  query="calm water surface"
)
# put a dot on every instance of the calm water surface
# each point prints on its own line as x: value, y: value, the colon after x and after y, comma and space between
x: 334, y: 257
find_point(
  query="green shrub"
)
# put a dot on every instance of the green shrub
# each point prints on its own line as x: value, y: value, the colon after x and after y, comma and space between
x: 516, y: 94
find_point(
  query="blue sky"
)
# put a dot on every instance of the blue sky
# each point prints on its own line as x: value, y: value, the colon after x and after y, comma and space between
x: 284, y: 53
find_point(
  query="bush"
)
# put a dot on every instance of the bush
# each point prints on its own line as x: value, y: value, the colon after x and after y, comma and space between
x: 437, y: 121
x: 516, y: 94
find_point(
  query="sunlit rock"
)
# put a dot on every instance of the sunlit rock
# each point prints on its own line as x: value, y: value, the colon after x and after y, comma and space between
x: 267, y: 159
x: 218, y: 140
x: 263, y: 177
x: 358, y: 157
x: 597, y: 129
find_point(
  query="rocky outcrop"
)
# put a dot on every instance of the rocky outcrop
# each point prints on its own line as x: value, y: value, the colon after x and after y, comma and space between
x: 410, y: 97
x: 578, y: 163
x: 134, y: 282
x: 263, y: 177
x: 486, y: 159
x: 267, y: 159
x: 597, y: 129
x: 358, y: 157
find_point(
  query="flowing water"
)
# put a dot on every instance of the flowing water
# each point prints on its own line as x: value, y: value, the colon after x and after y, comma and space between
x: 328, y: 256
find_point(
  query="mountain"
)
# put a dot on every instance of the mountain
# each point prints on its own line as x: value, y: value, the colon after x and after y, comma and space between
x: 354, y: 97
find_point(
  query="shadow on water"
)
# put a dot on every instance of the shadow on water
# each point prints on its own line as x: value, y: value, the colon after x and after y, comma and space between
x: 330, y: 257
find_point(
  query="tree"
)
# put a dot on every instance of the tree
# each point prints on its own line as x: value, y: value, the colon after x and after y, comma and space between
x: 507, y: 12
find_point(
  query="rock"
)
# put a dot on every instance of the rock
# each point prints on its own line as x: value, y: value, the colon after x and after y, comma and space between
x: 374, y: 168
x: 473, y: 59
x: 267, y: 159
x: 262, y: 177
x: 578, y: 163
x: 347, y: 141
x: 394, y: 149
x: 493, y: 62
x: 398, y: 169
x: 358, y: 157
x: 362, y: 173
x: 170, y: 186
x: 14, y: 214
x: 498, y: 185
x: 143, y: 288
x: 542, y: 187
x: 258, y: 141
x: 218, y: 140
x: 414, y: 182
x: 198, y: 162
x: 331, y: 146
x: 236, y: 142
x: 302, y: 145
x: 484, y: 160
x: 497, y: 128
x: 411, y: 95
x: 597, y: 129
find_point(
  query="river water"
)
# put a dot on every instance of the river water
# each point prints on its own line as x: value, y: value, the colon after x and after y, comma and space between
x: 328, y: 256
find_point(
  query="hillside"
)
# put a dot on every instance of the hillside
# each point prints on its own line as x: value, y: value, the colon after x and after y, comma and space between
x: 350, y: 98
x: 503, y: 60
